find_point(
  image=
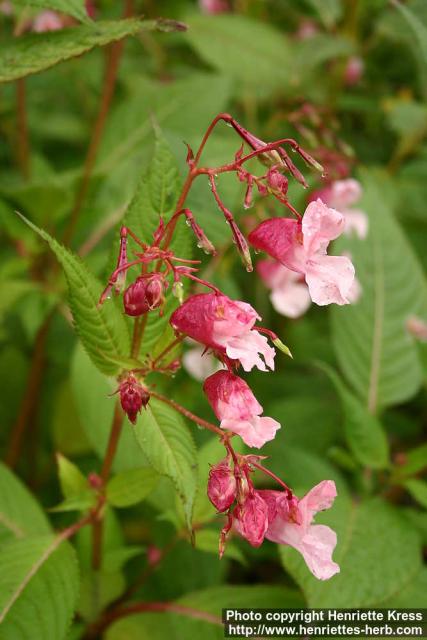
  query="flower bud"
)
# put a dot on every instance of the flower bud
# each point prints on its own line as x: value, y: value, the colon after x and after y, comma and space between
x: 154, y: 291
x: 133, y: 396
x: 143, y: 295
x: 277, y: 182
x: 222, y: 485
x: 251, y: 519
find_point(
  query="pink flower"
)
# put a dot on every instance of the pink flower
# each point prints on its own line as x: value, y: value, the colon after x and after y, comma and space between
x: 143, y: 295
x: 289, y: 293
x: 197, y: 363
x: 293, y: 526
x: 212, y: 7
x: 250, y: 519
x: 353, y: 71
x: 226, y: 326
x: 301, y: 246
x: 222, y: 486
x: 238, y: 410
x: 47, y: 21
x: 307, y: 29
x: 342, y: 195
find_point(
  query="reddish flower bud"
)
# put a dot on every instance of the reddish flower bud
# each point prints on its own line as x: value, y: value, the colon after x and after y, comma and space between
x: 143, y: 295
x: 133, y: 396
x: 251, y: 519
x: 222, y: 485
x: 154, y: 291
x: 277, y: 182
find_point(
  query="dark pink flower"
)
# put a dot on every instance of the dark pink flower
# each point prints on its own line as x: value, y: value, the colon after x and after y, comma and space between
x: 226, y: 326
x: 292, y: 525
x: 222, y: 485
x: 250, y: 519
x: 238, y: 410
x: 212, y: 7
x: 301, y: 246
x: 133, y: 396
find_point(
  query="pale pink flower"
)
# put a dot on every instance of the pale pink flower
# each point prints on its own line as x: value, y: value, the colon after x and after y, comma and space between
x: 301, y: 246
x: 6, y: 8
x: 342, y: 195
x: 238, y: 410
x: 417, y: 328
x: 316, y: 542
x: 225, y: 326
x: 353, y: 71
x: 289, y: 293
x: 47, y: 21
x: 197, y: 363
x: 213, y: 7
x: 307, y: 29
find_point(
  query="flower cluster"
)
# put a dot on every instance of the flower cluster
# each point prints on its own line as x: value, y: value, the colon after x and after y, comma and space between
x: 227, y: 332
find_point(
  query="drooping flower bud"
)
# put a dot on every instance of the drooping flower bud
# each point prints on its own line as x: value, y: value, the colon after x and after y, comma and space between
x: 133, y: 396
x: 154, y: 291
x: 222, y: 485
x: 239, y: 411
x: 143, y: 295
x: 251, y: 519
x: 277, y: 182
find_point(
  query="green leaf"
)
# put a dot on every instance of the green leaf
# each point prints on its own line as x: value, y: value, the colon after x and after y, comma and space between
x: 418, y: 28
x: 364, y: 433
x: 79, y: 502
x: 253, y: 53
x: 168, y: 445
x: 329, y: 11
x: 374, y: 350
x: 102, y: 329
x: 418, y: 490
x: 415, y: 461
x: 371, y: 572
x: 75, y: 8
x: 129, y: 130
x: 20, y: 515
x: 208, y: 540
x: 200, y: 614
x: 39, y: 584
x: 71, y: 479
x: 36, y: 52
x: 130, y: 487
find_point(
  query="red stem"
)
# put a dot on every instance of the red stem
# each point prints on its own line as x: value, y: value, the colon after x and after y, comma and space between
x: 273, y: 475
x: 32, y: 393
x: 188, y: 414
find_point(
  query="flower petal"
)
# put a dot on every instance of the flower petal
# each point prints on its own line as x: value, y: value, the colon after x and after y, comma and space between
x: 248, y: 348
x: 276, y: 236
x: 316, y: 548
x: 291, y: 300
x: 254, y: 432
x: 330, y: 279
x: 320, y: 225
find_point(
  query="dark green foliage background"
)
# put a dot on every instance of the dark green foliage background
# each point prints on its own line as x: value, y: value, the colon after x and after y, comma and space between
x: 352, y: 402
